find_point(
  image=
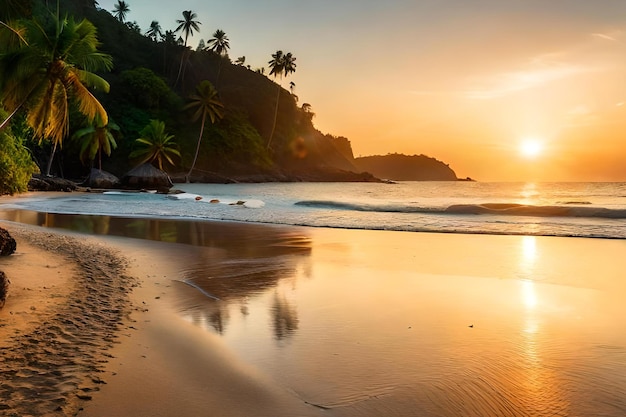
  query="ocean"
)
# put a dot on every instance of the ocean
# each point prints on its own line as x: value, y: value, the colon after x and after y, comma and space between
x: 591, y: 210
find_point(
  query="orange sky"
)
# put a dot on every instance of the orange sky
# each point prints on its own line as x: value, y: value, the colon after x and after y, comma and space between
x: 464, y: 82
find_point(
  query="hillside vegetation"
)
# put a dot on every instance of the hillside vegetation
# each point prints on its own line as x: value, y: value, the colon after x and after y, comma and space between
x: 241, y: 124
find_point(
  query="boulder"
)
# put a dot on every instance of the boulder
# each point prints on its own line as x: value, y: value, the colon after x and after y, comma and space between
x: 4, y: 288
x: 101, y: 179
x: 7, y: 243
x: 40, y: 182
x: 146, y: 176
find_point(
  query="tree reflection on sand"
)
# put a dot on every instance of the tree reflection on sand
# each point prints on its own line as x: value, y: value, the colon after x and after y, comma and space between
x: 225, y: 260
x: 285, y: 317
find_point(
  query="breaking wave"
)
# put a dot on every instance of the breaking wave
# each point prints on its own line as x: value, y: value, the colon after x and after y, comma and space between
x: 570, y: 209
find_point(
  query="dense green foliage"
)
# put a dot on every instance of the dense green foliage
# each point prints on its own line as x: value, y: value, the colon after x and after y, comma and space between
x: 16, y: 165
x: 154, y: 78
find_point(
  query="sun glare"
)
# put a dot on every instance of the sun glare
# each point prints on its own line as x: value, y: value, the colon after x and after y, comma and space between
x: 531, y: 148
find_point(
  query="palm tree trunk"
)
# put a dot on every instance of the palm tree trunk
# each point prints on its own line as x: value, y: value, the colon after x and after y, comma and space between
x: 269, y: 142
x: 219, y: 69
x: 195, y: 158
x: 54, y: 148
x: 180, y: 68
x: 8, y: 119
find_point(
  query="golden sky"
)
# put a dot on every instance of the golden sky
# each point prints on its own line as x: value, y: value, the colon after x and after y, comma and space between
x: 466, y: 82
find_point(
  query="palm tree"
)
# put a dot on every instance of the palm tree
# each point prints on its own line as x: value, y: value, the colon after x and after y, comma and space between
x: 280, y: 64
x: 120, y: 10
x: 187, y: 25
x: 241, y: 61
x: 220, y: 45
x: 52, y: 71
x: 96, y: 138
x: 155, y: 31
x: 156, y: 145
x: 206, y: 103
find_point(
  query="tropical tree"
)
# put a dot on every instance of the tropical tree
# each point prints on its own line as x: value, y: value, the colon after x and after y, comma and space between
x: 186, y: 25
x: 96, y: 139
x: 241, y: 61
x: 280, y: 64
x: 51, y: 72
x: 155, y: 144
x: 155, y: 31
x: 205, y: 103
x: 292, y: 89
x: 120, y: 10
x: 220, y: 45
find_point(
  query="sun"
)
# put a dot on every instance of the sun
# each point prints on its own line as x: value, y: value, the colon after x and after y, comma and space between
x: 531, y: 148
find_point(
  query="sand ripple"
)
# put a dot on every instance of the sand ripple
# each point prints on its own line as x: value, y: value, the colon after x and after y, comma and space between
x: 53, y: 368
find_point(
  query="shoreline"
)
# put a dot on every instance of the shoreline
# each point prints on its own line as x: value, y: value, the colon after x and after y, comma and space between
x: 159, y: 360
x: 112, y: 343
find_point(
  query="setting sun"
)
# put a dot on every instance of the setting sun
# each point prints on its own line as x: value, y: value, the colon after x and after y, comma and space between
x: 531, y: 148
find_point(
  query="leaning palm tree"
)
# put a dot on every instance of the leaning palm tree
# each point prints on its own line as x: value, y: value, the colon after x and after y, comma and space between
x: 52, y: 71
x: 155, y: 31
x: 187, y: 25
x: 280, y: 64
x: 120, y: 10
x: 95, y: 139
x: 220, y: 45
x: 205, y: 102
x: 155, y: 145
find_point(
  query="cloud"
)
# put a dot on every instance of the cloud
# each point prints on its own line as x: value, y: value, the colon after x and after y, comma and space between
x: 517, y: 81
x: 604, y: 36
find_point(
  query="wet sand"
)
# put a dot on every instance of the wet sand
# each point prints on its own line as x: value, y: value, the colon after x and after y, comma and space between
x: 131, y: 337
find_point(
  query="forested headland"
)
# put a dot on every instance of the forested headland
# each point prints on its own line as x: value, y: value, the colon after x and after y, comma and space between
x: 82, y: 87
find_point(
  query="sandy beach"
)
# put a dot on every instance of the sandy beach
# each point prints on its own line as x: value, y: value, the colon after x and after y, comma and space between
x: 292, y: 321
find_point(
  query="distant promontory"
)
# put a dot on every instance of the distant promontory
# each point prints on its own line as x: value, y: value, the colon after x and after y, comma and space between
x: 401, y: 167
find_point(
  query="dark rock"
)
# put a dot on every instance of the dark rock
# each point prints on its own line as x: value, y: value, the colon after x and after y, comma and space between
x: 40, y: 182
x: 7, y: 243
x: 147, y: 177
x: 101, y: 179
x: 4, y: 288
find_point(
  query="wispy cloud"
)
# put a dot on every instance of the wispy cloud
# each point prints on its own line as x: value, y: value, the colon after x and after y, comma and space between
x: 517, y: 81
x: 604, y: 36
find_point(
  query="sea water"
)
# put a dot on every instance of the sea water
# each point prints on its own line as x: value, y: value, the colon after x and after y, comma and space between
x: 548, y: 209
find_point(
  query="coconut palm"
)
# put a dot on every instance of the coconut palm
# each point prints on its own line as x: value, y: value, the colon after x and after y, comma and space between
x: 205, y: 103
x: 280, y: 64
x: 220, y: 45
x: 155, y: 31
x: 96, y: 139
x: 186, y: 25
x: 120, y: 10
x: 51, y: 71
x: 155, y: 145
